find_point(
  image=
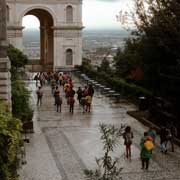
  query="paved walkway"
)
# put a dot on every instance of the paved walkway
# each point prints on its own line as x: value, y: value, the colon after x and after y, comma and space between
x: 63, y: 144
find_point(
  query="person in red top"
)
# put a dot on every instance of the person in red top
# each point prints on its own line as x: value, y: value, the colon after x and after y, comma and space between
x: 70, y: 83
x: 85, y: 91
x: 90, y: 90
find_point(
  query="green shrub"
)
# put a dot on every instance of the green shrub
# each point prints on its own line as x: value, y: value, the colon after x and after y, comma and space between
x: 118, y: 84
x: 20, y: 101
x: 10, y: 139
x: 107, y: 165
x: 17, y: 58
x: 20, y: 95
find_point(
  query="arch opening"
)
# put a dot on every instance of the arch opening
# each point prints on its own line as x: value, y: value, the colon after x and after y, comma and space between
x: 31, y: 37
x: 46, y: 35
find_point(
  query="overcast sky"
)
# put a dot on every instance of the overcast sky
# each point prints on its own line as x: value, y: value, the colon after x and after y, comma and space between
x: 97, y: 14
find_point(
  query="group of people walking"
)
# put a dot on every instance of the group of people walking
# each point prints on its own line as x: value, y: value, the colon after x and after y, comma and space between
x: 64, y: 80
x: 85, y: 96
x: 147, y: 142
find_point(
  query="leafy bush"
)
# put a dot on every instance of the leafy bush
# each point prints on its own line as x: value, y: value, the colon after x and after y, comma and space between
x: 17, y: 58
x: 20, y: 101
x: 107, y: 165
x: 105, y: 66
x: 10, y: 139
x: 118, y: 84
x: 20, y: 95
x: 18, y: 61
x: 10, y: 126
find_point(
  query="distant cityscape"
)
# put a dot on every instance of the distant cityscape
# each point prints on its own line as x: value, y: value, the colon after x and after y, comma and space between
x: 102, y: 44
x: 97, y: 44
x: 31, y: 42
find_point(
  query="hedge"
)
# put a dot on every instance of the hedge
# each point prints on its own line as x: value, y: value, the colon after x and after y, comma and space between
x: 20, y: 101
x: 10, y: 140
x: 116, y: 83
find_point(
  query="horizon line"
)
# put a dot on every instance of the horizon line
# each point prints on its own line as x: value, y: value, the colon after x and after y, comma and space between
x: 101, y: 29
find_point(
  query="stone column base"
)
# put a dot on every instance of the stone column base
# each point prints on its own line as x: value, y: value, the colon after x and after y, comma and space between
x: 5, y: 80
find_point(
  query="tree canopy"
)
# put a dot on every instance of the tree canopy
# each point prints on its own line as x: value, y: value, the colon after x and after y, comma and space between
x: 105, y: 65
x: 158, y: 25
x: 155, y: 44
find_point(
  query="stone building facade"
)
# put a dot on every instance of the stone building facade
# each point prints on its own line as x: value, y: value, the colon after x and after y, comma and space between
x: 60, y: 29
x: 5, y: 76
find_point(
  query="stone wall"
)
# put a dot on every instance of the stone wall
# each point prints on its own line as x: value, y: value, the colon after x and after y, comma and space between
x: 5, y: 80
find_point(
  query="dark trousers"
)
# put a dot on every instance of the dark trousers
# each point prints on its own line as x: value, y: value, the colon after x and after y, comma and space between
x: 84, y: 108
x: 60, y: 82
x: 128, y: 150
x: 171, y: 140
x: 39, y: 101
x: 71, y: 108
x: 36, y: 83
x: 52, y: 90
x: 145, y: 162
x: 58, y: 107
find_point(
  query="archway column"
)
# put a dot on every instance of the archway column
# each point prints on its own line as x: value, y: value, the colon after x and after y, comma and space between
x: 58, y: 48
x: 67, y: 37
x: 15, y: 36
x: 46, y: 43
x: 43, y: 50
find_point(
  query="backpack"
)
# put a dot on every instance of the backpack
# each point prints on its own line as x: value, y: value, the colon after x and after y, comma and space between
x: 149, y: 145
x: 58, y: 100
x: 88, y: 99
x: 56, y: 93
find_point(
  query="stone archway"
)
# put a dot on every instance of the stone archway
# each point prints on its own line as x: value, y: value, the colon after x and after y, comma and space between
x: 46, y: 35
x: 60, y: 29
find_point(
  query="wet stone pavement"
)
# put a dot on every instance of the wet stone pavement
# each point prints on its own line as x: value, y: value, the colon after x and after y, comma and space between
x: 65, y: 144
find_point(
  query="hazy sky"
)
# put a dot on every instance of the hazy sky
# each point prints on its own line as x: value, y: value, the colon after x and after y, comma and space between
x: 97, y: 14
